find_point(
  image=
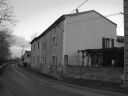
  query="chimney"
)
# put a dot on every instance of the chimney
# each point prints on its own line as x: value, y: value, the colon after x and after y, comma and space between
x: 77, y: 11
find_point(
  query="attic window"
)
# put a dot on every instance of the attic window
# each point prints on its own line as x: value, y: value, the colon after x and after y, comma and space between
x: 54, y: 41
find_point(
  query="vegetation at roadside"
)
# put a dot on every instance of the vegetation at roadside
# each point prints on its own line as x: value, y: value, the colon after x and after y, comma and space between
x: 7, y: 23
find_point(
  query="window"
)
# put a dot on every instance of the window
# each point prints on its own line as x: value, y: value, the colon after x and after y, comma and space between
x: 54, y: 41
x: 66, y: 59
x: 54, y: 60
x: 112, y: 41
x: 105, y: 43
x: 44, y: 60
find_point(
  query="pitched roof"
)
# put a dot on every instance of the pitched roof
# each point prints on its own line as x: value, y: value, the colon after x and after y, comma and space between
x: 61, y: 18
x: 49, y: 28
x: 85, y: 12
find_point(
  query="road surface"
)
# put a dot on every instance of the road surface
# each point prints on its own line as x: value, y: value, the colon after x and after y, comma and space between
x: 18, y: 81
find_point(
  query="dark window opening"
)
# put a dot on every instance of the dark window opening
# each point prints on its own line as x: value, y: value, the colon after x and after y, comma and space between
x: 54, y: 60
x: 66, y: 59
x: 112, y: 43
x: 106, y: 43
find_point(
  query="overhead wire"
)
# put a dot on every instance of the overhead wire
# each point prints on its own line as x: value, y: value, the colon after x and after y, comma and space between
x: 79, y: 6
x: 120, y: 25
x: 91, y: 18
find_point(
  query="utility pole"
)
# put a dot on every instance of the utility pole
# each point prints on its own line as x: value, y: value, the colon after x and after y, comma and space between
x: 22, y: 51
x: 126, y: 43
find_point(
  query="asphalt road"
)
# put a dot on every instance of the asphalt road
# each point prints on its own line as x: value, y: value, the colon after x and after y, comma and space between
x: 17, y: 81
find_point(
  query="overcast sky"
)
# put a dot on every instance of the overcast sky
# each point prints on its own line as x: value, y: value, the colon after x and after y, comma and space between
x: 35, y: 16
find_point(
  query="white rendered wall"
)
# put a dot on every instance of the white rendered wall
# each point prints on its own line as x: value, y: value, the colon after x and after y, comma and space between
x: 85, y: 31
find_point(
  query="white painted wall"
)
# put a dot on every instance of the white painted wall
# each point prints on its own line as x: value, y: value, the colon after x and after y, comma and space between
x: 85, y: 31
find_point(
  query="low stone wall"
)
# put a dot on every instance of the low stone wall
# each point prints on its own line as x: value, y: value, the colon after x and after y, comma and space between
x: 111, y: 74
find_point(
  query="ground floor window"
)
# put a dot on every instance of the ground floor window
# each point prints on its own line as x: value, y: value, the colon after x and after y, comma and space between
x: 54, y: 60
x: 44, y: 60
x: 66, y: 59
x: 107, y: 43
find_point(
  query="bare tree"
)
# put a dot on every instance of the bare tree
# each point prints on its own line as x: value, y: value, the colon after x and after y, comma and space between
x: 5, y: 42
x: 7, y: 23
x: 6, y: 14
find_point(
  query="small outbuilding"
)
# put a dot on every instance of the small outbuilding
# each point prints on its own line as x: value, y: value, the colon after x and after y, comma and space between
x: 26, y: 59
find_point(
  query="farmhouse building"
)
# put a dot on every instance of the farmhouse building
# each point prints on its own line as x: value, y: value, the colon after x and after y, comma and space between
x: 59, y: 45
x: 26, y: 58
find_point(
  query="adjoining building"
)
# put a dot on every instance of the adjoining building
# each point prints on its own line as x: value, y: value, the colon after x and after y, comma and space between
x: 26, y: 59
x: 120, y: 41
x: 59, y: 45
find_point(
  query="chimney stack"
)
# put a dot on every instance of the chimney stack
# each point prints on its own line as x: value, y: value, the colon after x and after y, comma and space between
x: 77, y: 11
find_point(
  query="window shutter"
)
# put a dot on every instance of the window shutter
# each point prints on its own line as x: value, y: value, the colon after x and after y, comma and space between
x: 112, y: 43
